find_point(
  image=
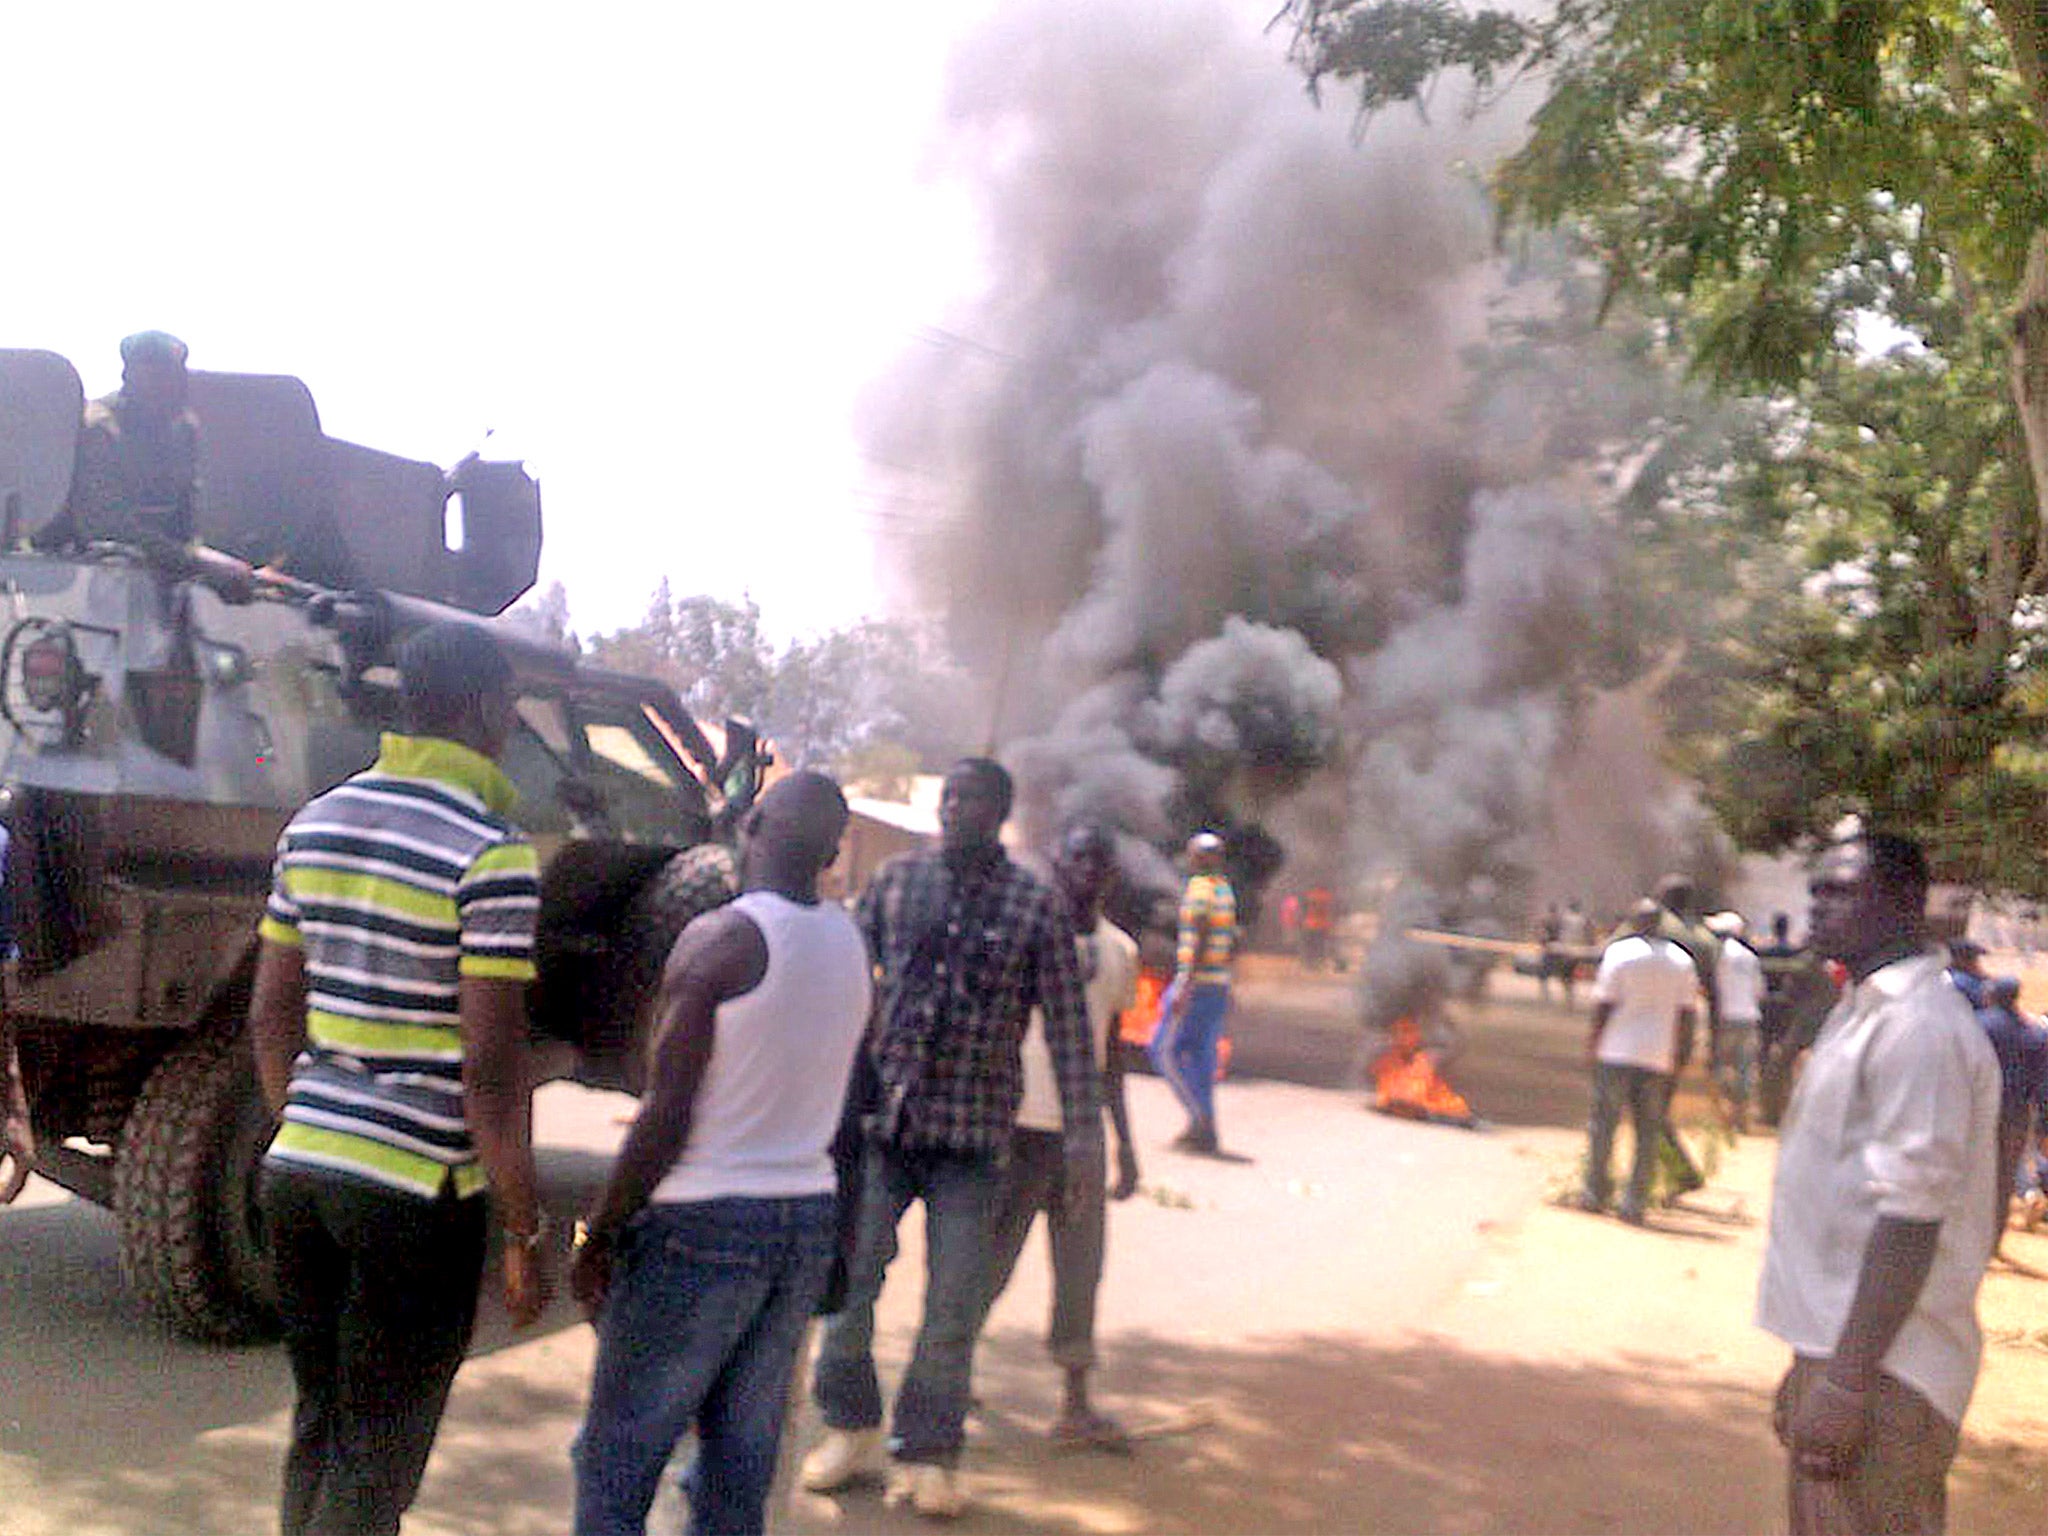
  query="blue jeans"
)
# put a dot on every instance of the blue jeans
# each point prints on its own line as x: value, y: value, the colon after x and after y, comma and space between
x: 1184, y: 1053
x: 1647, y: 1095
x: 959, y: 1194
x: 706, y: 1312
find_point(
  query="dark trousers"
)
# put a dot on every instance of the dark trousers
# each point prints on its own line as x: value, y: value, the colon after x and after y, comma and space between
x: 1647, y: 1096
x: 708, y: 1305
x: 1034, y: 1181
x: 378, y: 1292
x: 959, y: 1196
x: 1899, y: 1485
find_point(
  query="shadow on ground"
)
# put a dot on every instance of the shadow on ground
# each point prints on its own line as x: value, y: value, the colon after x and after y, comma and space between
x: 107, y: 1405
x: 1327, y: 1434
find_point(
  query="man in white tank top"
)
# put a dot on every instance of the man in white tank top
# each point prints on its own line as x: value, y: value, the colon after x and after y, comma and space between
x: 714, y: 1239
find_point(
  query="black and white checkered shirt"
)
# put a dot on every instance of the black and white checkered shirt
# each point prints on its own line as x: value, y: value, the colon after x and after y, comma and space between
x: 966, y: 950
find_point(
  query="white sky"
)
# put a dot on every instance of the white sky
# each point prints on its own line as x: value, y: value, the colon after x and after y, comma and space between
x: 657, y: 247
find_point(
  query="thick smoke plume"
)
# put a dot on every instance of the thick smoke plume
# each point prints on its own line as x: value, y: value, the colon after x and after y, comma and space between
x: 1231, y: 518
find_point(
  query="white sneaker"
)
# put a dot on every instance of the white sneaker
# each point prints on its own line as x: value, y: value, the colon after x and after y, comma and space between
x: 842, y: 1457
x: 933, y: 1491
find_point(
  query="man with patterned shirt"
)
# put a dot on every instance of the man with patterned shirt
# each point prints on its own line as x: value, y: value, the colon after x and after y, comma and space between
x: 966, y: 943
x: 389, y: 1024
x: 1184, y: 1047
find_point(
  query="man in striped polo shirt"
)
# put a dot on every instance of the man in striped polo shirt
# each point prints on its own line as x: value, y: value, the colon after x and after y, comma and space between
x: 390, y: 1030
x: 1185, y: 1046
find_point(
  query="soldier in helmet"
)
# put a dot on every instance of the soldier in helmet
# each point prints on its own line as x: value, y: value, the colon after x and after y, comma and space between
x: 136, y: 478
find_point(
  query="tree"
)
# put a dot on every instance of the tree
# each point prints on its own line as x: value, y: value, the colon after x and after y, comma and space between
x: 545, y: 616
x: 1780, y: 183
x: 843, y: 693
x: 1738, y: 153
x: 1862, y: 625
x: 713, y: 651
x: 836, y: 701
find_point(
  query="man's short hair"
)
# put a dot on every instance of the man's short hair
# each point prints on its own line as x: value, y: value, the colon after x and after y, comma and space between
x: 991, y: 773
x: 1898, y: 865
x: 445, y: 669
x: 153, y: 347
x: 807, y: 808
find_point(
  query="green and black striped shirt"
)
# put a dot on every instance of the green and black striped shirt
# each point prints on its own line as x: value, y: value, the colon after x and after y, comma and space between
x: 397, y: 884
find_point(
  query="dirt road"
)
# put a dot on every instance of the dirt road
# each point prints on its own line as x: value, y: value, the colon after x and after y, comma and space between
x: 1372, y: 1325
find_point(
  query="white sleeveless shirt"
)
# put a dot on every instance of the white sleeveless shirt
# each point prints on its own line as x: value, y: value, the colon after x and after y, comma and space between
x: 769, y: 1103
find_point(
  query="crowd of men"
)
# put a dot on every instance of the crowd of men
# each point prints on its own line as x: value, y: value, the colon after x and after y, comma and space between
x: 813, y: 1073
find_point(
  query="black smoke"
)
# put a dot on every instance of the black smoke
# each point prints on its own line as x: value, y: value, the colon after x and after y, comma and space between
x: 1236, y: 530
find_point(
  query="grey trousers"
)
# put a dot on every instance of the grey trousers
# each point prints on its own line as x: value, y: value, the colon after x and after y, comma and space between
x: 1647, y: 1096
x: 1900, y: 1483
x: 1035, y: 1180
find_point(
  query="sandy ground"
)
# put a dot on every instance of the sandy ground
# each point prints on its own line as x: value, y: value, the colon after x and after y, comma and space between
x: 1370, y: 1326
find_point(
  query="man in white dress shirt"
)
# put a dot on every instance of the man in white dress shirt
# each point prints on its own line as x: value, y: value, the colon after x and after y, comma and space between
x: 1881, y: 1218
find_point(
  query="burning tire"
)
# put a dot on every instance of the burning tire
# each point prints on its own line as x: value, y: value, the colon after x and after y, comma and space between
x: 185, y: 1186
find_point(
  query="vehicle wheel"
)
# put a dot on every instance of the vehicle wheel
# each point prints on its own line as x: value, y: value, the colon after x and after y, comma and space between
x: 692, y: 883
x: 185, y: 1187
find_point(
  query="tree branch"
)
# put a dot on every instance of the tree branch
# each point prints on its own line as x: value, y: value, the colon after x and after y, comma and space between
x: 2025, y: 24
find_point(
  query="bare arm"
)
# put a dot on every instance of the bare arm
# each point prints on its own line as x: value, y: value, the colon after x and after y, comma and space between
x: 277, y: 1017
x: 1602, y: 1012
x: 1833, y: 1421
x: 17, y: 1139
x: 1896, y: 1263
x: 1125, y: 998
x: 1120, y: 1120
x: 498, y: 1096
x: 719, y: 957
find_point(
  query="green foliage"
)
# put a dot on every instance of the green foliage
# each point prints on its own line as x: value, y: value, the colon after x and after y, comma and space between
x: 830, y: 701
x: 1393, y: 52
x: 1809, y: 200
x: 1732, y: 149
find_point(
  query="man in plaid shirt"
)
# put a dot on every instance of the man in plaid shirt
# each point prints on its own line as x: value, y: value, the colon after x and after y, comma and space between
x: 965, y: 943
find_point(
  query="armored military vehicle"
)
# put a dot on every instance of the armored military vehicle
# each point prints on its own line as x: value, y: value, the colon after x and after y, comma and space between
x: 160, y: 720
